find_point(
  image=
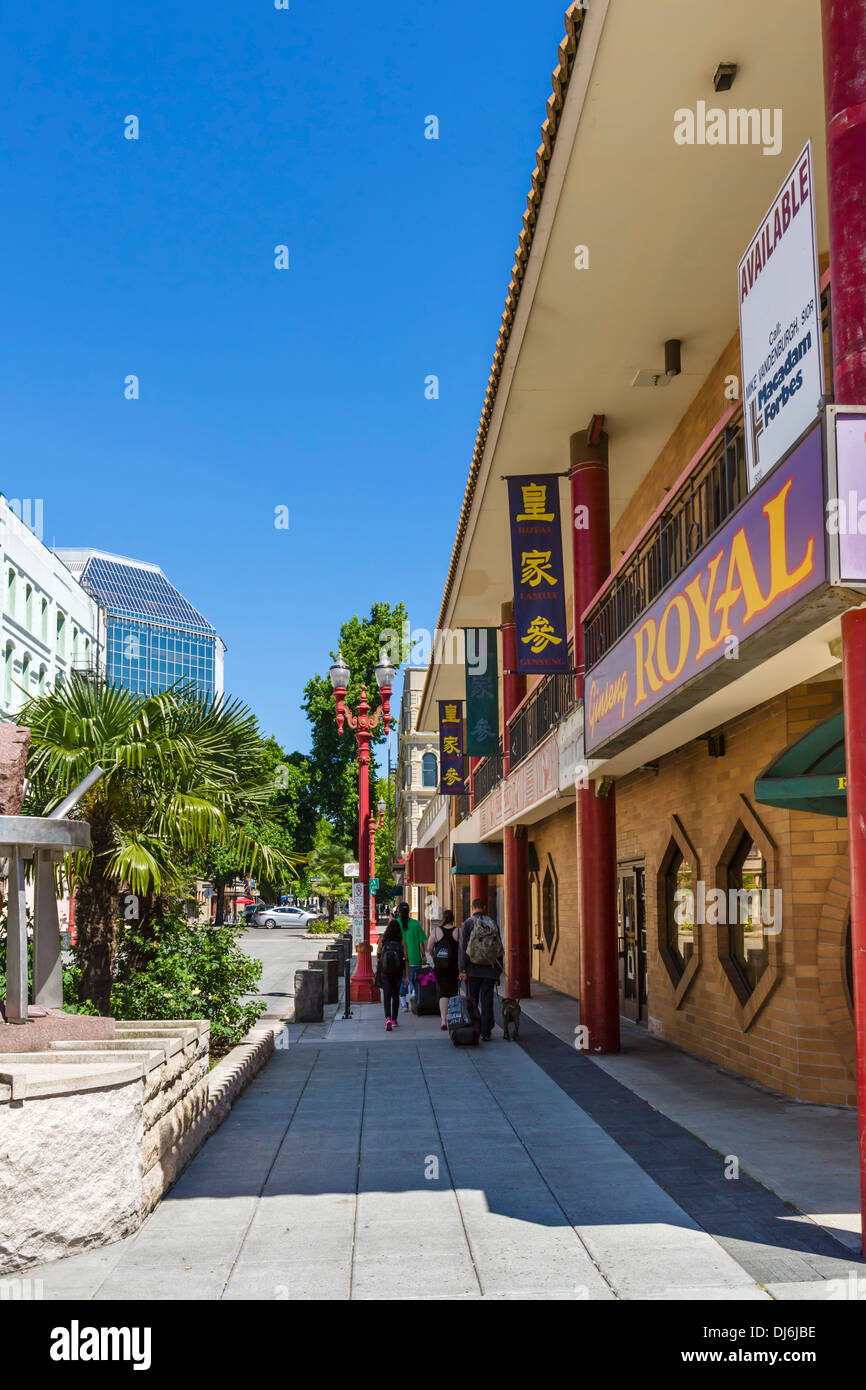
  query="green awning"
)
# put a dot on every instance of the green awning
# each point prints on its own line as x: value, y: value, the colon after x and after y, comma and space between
x: 484, y: 859
x: 810, y: 774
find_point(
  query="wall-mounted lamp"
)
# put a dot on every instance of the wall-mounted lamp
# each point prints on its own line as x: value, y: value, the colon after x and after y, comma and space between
x: 723, y: 77
x: 673, y: 358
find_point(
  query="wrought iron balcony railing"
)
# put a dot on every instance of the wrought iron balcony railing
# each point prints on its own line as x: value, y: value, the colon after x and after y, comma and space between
x: 550, y: 702
x: 487, y: 775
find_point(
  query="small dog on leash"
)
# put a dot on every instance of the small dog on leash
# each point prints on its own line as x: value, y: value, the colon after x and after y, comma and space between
x: 510, y: 1018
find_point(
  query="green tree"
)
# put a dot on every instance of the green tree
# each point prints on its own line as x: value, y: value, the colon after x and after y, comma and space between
x: 334, y: 757
x: 182, y: 773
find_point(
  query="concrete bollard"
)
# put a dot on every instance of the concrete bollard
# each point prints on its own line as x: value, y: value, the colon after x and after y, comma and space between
x: 328, y: 970
x: 309, y: 996
x: 336, y: 959
x: 332, y: 959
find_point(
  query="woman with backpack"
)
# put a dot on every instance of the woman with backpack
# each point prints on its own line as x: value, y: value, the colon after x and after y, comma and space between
x: 391, y: 970
x: 442, y: 947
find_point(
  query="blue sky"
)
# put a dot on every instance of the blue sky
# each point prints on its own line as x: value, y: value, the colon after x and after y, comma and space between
x: 262, y: 388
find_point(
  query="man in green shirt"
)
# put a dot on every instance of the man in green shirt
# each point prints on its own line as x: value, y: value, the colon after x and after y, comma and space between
x: 415, y: 942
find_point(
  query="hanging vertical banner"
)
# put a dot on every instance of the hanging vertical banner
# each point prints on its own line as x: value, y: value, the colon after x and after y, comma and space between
x: 539, y: 583
x: 482, y: 692
x: 451, y: 747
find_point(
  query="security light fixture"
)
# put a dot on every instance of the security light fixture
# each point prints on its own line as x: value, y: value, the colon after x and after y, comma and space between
x: 673, y: 360
x: 723, y: 77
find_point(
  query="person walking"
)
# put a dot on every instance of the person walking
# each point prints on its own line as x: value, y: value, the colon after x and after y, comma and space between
x: 391, y: 970
x: 480, y: 961
x: 415, y: 943
x: 443, y: 947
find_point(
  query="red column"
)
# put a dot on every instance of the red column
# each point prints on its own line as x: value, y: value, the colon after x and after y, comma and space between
x: 844, y: 31
x: 596, y: 815
x: 477, y: 887
x: 515, y: 846
x: 844, y: 38
x: 853, y: 678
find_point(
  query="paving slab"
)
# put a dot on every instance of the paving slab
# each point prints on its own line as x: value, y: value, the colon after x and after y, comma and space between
x: 367, y: 1166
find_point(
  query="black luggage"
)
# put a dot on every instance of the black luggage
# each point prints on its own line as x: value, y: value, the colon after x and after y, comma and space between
x: 424, y: 998
x: 464, y: 1021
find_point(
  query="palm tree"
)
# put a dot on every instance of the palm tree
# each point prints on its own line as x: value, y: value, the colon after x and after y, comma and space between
x: 182, y: 771
x: 326, y: 862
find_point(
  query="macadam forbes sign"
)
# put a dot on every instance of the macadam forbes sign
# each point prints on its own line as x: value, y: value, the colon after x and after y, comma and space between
x: 780, y: 324
x: 539, y: 584
x: 451, y: 772
x: 770, y: 557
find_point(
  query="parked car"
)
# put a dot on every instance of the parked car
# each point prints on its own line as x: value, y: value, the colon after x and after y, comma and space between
x: 284, y: 917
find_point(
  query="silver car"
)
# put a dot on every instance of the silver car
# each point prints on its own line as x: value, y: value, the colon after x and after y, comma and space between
x: 271, y: 917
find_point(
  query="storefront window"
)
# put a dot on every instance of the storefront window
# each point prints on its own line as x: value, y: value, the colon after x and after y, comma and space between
x: 748, y: 943
x: 680, y: 910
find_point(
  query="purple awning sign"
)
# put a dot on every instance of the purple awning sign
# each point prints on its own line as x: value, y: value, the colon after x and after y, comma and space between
x: 766, y: 558
x: 539, y: 581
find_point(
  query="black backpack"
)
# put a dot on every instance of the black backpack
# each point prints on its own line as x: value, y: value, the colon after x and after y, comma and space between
x: 442, y: 951
x: 392, y: 960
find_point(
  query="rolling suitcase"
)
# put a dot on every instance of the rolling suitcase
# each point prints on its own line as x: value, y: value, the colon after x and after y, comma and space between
x: 424, y: 998
x: 463, y: 1021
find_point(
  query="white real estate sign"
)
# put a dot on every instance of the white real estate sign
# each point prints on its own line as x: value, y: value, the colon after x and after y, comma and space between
x: 780, y: 324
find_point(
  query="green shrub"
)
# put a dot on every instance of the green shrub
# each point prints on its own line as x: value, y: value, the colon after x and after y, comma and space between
x: 324, y: 927
x: 191, y: 970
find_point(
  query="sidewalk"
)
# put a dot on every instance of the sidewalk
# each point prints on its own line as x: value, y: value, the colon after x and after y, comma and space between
x: 367, y: 1165
x: 807, y: 1154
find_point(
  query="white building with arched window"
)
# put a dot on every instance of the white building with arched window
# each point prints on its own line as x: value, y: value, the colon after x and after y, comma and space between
x: 49, y: 627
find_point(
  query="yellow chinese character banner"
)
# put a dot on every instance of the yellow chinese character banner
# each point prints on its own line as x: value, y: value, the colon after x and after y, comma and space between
x: 451, y: 772
x: 539, y: 578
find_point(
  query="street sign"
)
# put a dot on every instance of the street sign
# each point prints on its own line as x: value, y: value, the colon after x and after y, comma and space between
x: 374, y: 885
x: 358, y: 897
x: 351, y: 870
x: 357, y: 930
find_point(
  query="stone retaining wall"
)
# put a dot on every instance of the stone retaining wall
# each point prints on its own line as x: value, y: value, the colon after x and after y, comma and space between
x: 92, y: 1134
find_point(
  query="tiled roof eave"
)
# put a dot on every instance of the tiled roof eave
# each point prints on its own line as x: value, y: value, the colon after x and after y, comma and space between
x: 574, y: 19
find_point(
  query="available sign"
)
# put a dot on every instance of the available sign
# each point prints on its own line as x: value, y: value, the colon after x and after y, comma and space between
x: 767, y: 557
x: 780, y: 324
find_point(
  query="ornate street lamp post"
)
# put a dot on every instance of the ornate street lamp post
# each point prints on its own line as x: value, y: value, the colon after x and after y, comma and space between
x: 362, y: 723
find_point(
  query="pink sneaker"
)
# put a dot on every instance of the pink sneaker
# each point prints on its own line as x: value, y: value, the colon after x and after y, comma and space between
x: 387, y: 1025
x: 394, y: 1023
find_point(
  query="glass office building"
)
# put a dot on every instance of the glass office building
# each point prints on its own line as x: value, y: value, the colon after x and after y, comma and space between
x: 155, y: 636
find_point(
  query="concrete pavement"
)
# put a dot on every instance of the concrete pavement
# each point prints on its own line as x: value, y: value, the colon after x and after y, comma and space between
x: 364, y: 1165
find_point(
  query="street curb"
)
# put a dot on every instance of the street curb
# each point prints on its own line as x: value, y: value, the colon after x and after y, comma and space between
x: 233, y: 1073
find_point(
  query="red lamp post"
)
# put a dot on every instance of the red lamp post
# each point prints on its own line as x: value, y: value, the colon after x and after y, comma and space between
x: 362, y: 723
